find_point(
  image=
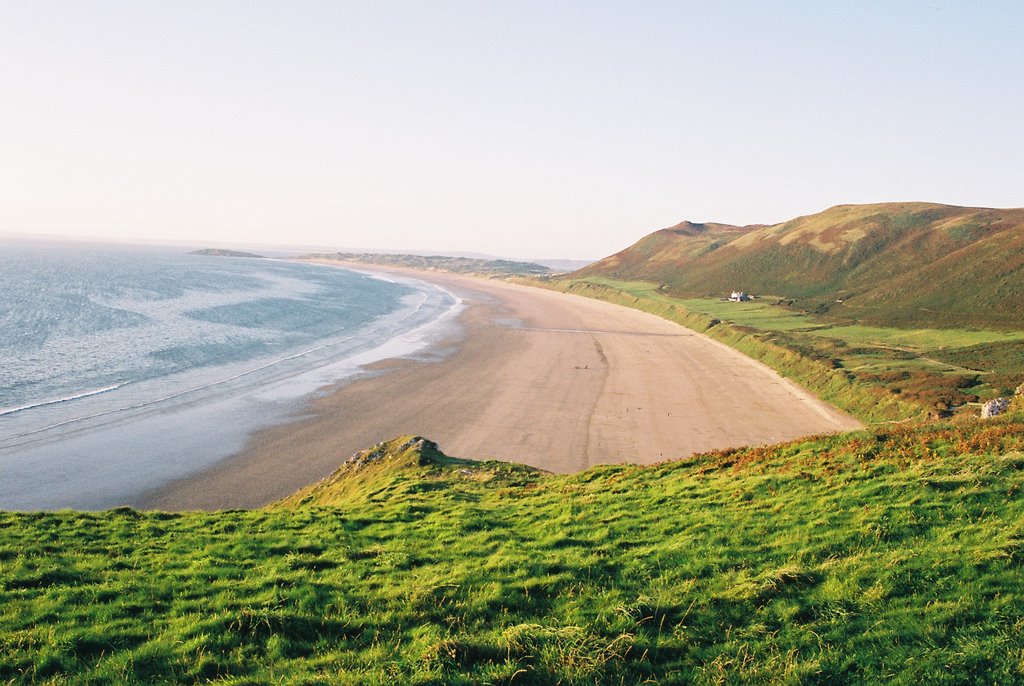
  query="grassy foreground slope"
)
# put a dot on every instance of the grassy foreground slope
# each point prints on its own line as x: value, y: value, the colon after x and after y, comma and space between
x: 890, y: 556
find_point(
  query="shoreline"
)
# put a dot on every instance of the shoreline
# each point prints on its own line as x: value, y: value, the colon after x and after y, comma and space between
x: 113, y: 445
x: 548, y: 379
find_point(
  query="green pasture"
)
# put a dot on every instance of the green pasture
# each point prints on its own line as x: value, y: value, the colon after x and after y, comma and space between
x: 758, y: 314
x: 763, y: 314
x: 924, y: 340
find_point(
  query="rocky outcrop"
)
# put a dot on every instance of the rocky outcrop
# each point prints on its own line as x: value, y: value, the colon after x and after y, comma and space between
x: 994, y: 407
x: 387, y: 450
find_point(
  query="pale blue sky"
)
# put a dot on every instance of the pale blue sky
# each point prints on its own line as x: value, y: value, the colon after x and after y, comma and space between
x: 530, y: 129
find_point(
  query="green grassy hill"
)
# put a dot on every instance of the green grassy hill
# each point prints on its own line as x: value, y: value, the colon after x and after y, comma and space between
x: 888, y: 556
x: 666, y: 251
x: 903, y: 264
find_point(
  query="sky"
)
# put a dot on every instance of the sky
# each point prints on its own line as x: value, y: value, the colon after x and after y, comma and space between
x: 544, y: 129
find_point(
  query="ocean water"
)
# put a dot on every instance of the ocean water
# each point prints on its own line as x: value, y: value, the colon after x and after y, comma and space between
x: 122, y: 368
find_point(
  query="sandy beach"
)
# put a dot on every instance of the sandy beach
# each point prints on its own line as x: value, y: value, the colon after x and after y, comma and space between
x: 557, y: 381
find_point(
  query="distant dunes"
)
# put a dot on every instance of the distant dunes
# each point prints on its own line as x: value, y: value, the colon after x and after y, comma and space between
x: 457, y: 265
x: 902, y: 264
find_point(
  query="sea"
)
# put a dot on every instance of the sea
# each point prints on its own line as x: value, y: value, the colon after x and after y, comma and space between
x: 123, y: 368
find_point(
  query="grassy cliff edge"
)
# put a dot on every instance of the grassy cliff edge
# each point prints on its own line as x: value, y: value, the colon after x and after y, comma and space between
x: 884, y: 556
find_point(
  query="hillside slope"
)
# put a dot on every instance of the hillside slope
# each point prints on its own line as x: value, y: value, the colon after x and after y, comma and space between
x: 896, y: 263
x: 888, y: 556
x: 665, y: 251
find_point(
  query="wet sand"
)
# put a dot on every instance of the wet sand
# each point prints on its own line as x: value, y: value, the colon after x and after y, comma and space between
x: 557, y: 381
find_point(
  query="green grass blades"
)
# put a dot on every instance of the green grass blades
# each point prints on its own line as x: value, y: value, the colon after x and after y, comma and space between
x: 887, y: 556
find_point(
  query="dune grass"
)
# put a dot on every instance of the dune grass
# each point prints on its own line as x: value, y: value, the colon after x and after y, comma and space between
x: 877, y: 557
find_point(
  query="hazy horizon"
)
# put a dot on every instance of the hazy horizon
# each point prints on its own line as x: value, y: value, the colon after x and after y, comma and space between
x: 523, y: 130
x: 269, y: 248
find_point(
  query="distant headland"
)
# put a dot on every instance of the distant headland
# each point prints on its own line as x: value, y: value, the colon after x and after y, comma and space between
x: 221, y: 252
